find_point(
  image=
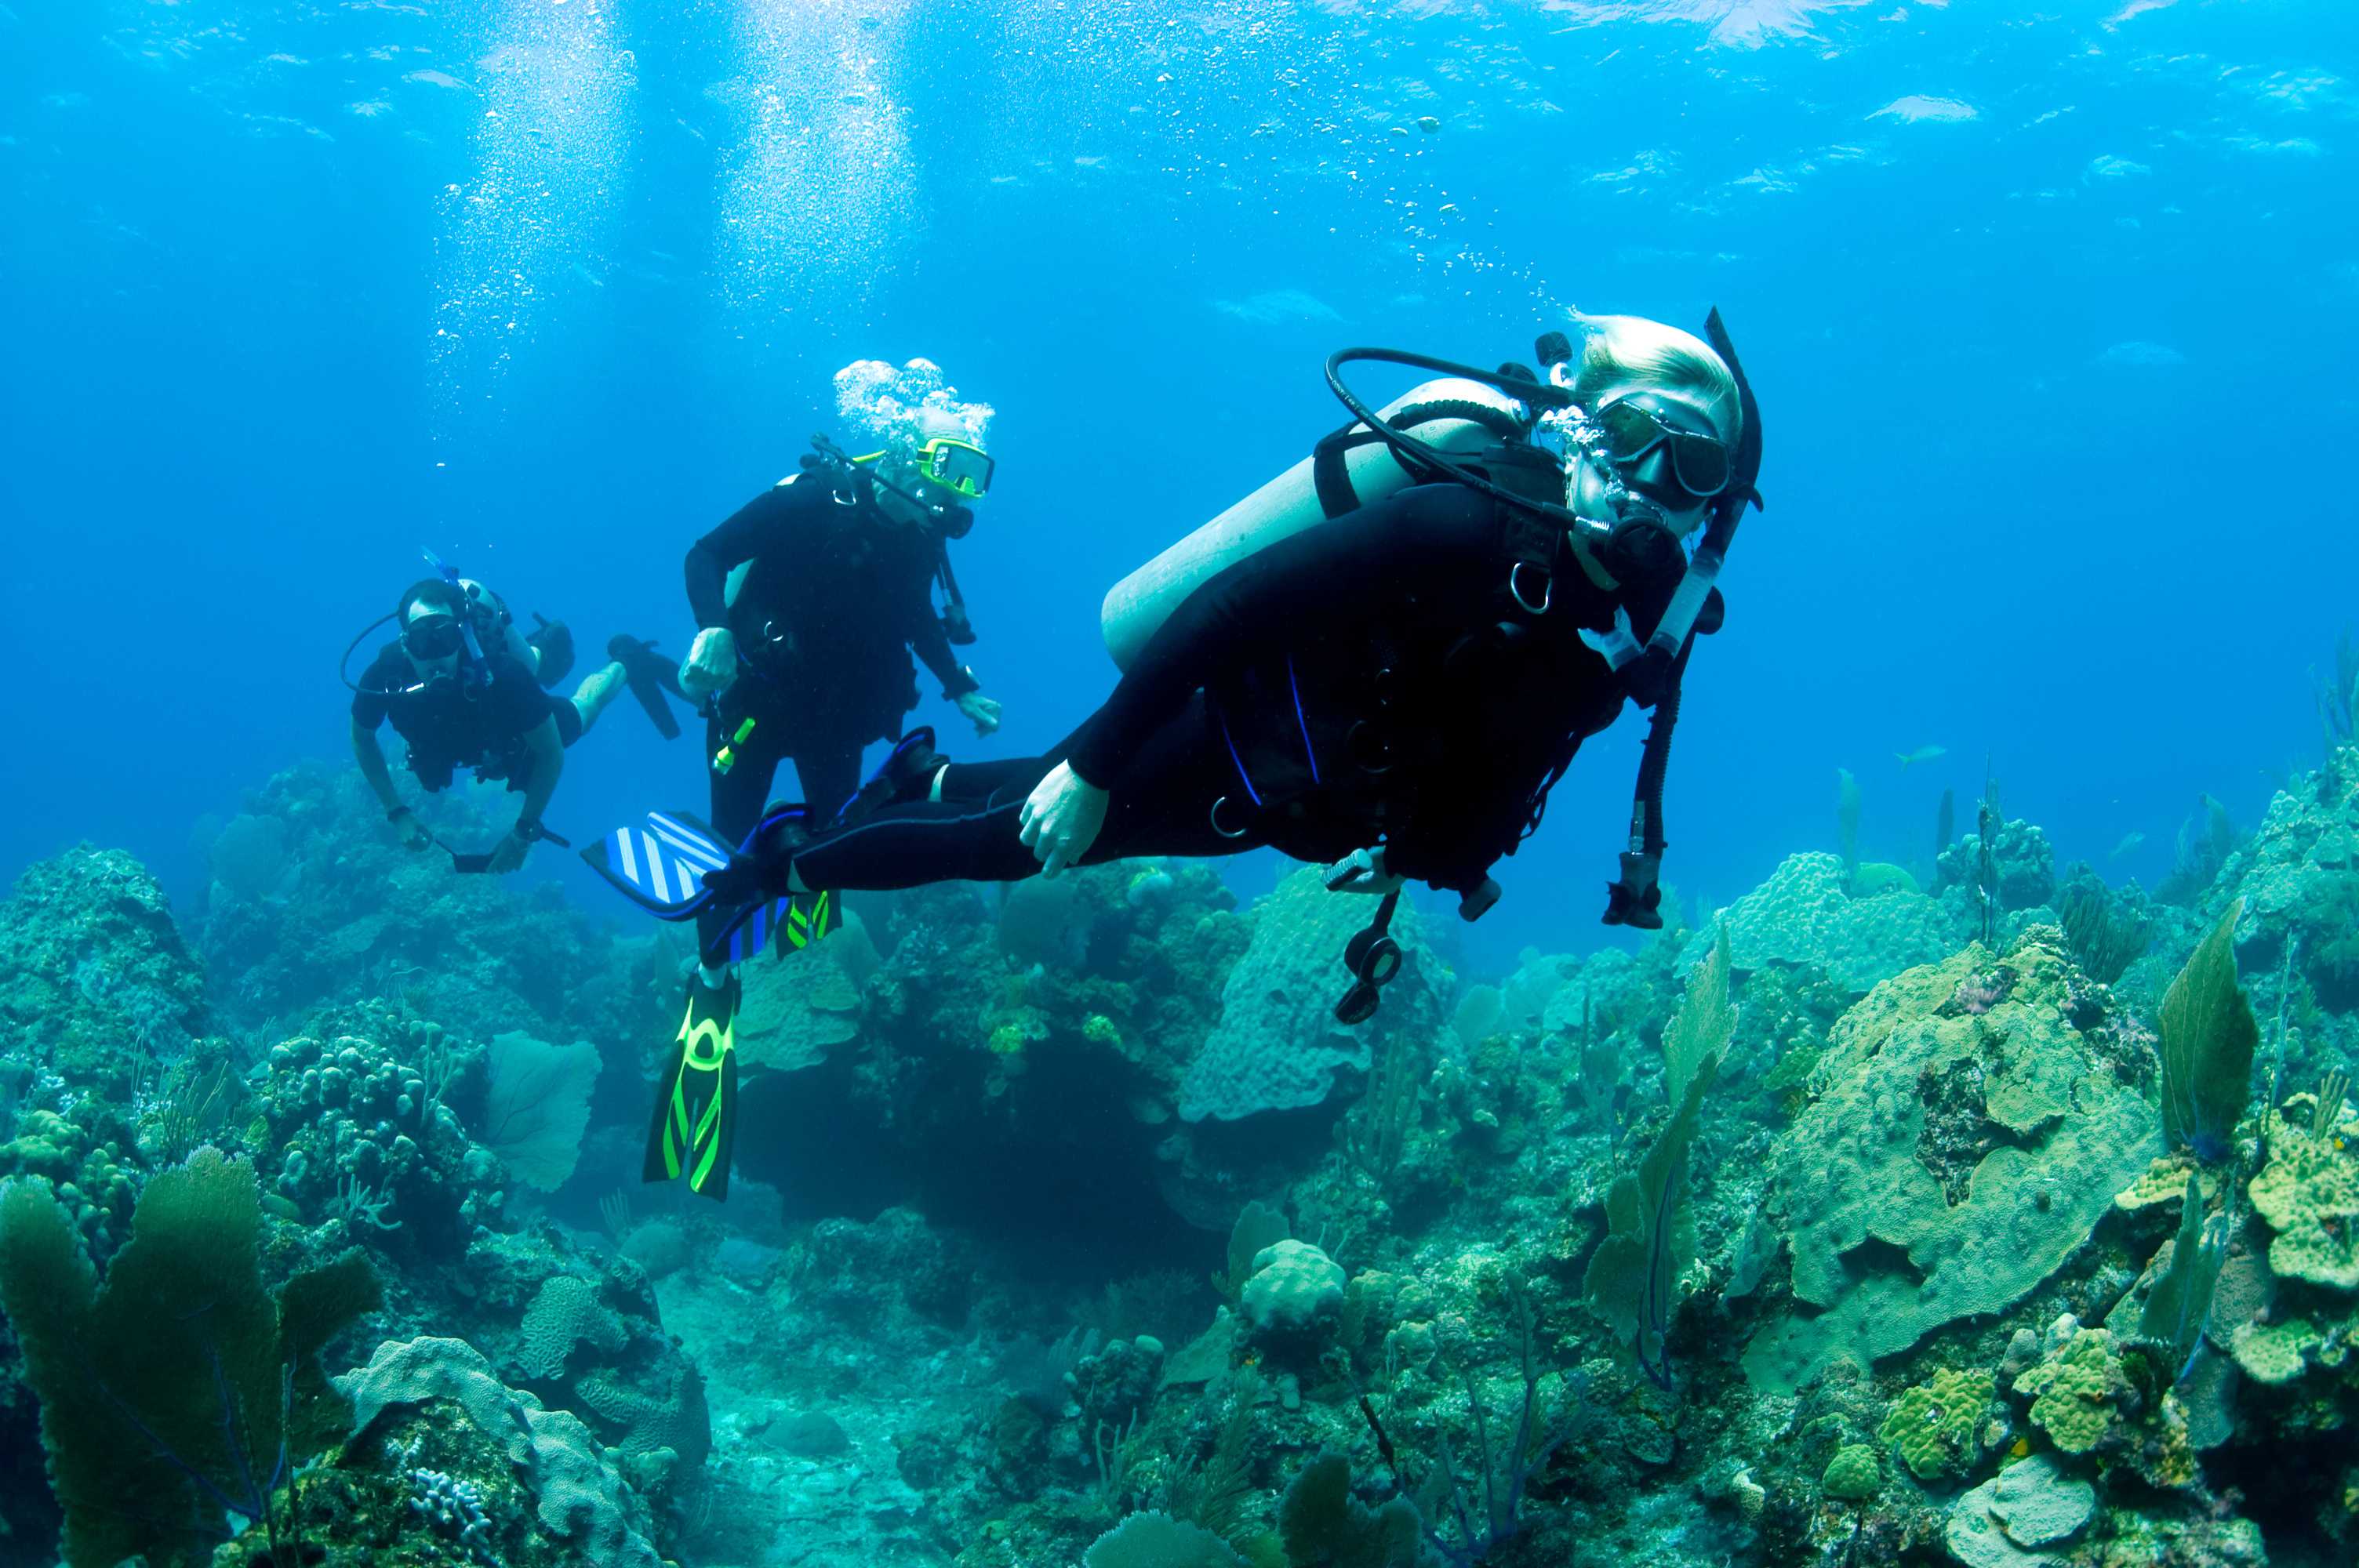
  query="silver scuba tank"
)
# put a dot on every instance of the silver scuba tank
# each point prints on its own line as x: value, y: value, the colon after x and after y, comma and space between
x: 1459, y: 418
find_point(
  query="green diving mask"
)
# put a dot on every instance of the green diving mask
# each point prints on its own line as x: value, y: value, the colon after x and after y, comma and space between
x: 960, y: 467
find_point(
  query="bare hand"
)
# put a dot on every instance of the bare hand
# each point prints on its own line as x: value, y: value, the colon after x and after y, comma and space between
x: 1061, y: 818
x: 711, y: 665
x: 981, y: 711
x: 414, y: 834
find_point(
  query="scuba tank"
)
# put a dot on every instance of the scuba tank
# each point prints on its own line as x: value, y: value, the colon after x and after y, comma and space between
x: 1348, y: 470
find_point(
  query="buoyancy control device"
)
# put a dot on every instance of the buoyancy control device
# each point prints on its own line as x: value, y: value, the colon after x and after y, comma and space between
x: 1466, y: 426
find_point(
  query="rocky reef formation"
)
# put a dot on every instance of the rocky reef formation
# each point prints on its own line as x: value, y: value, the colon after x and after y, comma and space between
x: 2008, y: 1221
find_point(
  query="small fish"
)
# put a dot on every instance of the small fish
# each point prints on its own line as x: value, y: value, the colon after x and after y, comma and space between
x: 1921, y: 754
x: 2129, y: 841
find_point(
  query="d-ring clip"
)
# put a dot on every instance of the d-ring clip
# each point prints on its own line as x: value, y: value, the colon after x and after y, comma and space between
x: 1523, y: 600
x: 1214, y: 816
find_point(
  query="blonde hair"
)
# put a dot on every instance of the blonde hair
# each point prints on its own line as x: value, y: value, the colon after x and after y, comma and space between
x: 883, y: 407
x: 1625, y: 349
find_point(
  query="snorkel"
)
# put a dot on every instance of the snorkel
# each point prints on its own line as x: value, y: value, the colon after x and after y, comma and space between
x: 450, y: 574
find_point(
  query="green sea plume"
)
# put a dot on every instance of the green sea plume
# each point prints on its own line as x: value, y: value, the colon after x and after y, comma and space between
x: 1632, y: 1277
x: 178, y: 1395
x: 2208, y: 1035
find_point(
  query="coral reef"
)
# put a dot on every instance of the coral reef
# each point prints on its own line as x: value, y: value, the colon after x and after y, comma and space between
x: 1278, y: 1045
x: 1955, y: 1155
x: 1805, y: 916
x: 1069, y: 1228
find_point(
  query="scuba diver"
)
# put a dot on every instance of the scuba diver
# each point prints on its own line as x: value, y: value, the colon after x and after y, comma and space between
x: 465, y: 687
x: 810, y: 599
x: 1382, y: 661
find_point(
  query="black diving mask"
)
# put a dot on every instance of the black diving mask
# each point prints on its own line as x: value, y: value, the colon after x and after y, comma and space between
x: 433, y: 637
x: 1633, y: 431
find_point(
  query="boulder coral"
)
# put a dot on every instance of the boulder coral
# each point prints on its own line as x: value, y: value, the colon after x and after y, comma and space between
x: 1949, y: 1160
x: 1278, y: 1045
x: 1804, y: 915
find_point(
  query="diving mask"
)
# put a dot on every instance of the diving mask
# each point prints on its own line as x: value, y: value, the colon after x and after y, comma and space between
x: 433, y: 637
x: 960, y: 467
x: 1631, y: 430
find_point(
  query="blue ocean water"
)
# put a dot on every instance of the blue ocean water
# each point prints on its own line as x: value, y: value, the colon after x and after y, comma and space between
x: 1067, y: 1224
x: 2051, y: 316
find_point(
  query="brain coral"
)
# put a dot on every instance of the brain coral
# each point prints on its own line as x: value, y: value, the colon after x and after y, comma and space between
x: 565, y: 1313
x: 1898, y: 1228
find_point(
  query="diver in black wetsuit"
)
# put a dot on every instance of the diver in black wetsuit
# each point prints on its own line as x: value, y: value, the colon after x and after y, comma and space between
x: 808, y: 659
x: 464, y: 687
x: 809, y: 601
x: 1394, y: 690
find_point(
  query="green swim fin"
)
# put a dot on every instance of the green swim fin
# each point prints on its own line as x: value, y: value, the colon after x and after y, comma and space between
x: 695, y: 1121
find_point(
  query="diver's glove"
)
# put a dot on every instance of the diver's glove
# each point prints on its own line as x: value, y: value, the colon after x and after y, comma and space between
x: 979, y: 710
x: 1362, y: 870
x: 1061, y: 818
x: 414, y: 833
x: 711, y: 665
x: 1637, y: 900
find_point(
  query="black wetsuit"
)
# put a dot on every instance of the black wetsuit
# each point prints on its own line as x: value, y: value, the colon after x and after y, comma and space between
x: 477, y: 721
x: 836, y: 598
x: 1368, y: 679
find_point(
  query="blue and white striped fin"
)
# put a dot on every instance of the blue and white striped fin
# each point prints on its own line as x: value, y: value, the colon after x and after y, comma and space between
x: 660, y: 862
x: 751, y: 934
